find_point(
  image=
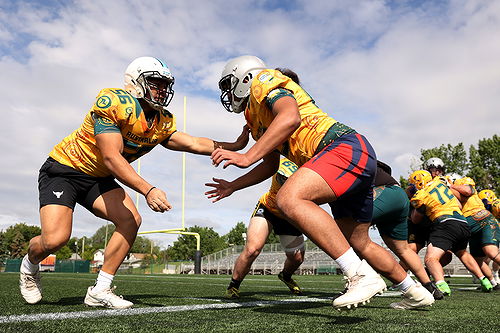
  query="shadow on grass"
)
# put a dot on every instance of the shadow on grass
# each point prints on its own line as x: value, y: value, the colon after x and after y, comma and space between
x: 302, y: 310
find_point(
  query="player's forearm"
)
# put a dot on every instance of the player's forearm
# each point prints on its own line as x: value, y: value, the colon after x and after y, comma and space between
x: 253, y: 177
x: 261, y: 172
x: 125, y: 173
x: 281, y: 128
x: 465, y: 190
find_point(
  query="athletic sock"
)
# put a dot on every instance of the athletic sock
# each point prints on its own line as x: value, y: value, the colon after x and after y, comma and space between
x: 103, y: 282
x: 493, y: 282
x: 27, y: 267
x: 405, y: 284
x: 234, y: 284
x: 348, y: 260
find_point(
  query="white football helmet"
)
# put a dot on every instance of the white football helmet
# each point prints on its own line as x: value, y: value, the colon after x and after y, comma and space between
x: 236, y: 80
x: 434, y: 162
x: 137, y: 81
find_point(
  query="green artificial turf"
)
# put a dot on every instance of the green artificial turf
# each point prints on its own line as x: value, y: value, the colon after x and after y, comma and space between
x: 466, y: 310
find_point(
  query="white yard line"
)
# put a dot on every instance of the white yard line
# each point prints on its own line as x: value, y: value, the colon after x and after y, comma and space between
x: 141, y: 311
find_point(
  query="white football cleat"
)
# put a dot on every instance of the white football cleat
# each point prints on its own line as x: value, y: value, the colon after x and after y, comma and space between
x: 415, y: 297
x: 106, y: 298
x: 30, y: 286
x: 363, y: 284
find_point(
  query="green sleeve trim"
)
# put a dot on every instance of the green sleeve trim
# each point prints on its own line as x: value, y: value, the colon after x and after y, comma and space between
x: 104, y: 125
x: 276, y: 94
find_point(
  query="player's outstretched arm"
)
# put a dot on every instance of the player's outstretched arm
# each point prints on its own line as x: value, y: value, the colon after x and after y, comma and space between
x: 222, y: 188
x: 286, y: 121
x: 204, y: 146
x: 111, y: 146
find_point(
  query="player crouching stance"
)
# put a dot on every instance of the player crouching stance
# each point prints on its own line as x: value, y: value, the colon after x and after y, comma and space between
x: 265, y: 218
x: 120, y: 127
x: 336, y: 166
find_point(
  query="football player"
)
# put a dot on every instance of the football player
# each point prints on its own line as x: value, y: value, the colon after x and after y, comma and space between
x: 122, y: 125
x: 449, y: 229
x: 336, y: 166
x: 435, y: 166
x: 483, y: 242
x: 265, y: 218
x: 487, y: 196
x: 390, y: 214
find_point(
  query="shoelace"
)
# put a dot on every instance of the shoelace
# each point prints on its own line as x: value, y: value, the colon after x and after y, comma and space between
x: 31, y: 281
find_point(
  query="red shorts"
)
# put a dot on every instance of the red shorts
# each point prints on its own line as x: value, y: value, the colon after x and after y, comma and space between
x: 348, y: 165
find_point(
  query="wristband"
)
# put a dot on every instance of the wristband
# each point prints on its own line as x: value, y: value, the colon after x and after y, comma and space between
x: 146, y: 195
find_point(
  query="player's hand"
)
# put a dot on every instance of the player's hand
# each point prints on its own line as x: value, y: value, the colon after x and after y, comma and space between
x: 232, y: 158
x: 221, y: 189
x: 157, y: 201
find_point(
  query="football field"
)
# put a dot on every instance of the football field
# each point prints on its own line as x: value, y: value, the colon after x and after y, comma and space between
x: 194, y: 303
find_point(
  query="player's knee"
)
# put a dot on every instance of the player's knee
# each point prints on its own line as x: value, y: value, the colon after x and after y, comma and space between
x: 54, y: 243
x: 129, y: 222
x: 430, y: 260
x: 285, y: 203
x: 252, y: 252
x: 298, y: 257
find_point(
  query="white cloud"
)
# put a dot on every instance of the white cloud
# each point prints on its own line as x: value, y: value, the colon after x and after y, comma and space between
x: 408, y: 76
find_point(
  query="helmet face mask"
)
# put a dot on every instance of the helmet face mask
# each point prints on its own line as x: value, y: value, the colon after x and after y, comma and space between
x: 147, y: 74
x: 236, y: 80
x: 227, y: 86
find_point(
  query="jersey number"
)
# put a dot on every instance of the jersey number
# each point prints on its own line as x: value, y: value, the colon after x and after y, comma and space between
x: 292, y: 167
x: 441, y: 192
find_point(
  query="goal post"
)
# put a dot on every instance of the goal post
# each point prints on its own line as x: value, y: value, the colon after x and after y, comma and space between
x: 182, y: 229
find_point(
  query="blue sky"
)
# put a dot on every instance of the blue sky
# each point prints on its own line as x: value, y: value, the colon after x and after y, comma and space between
x: 407, y: 74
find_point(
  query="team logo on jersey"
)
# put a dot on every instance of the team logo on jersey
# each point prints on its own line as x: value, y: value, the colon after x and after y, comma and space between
x: 265, y: 77
x: 58, y: 194
x: 103, y: 102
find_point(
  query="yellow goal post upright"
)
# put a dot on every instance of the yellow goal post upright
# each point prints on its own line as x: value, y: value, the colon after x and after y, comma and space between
x: 182, y: 229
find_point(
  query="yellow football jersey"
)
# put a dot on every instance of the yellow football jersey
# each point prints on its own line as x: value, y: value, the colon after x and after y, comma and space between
x: 117, y: 111
x: 437, y: 199
x: 495, y: 208
x: 473, y: 204
x: 286, y: 169
x: 302, y: 144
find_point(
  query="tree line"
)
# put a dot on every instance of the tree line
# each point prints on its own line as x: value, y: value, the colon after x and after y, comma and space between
x: 481, y: 163
x: 14, y: 243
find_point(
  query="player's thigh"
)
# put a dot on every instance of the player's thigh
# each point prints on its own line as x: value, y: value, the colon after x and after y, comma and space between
x: 490, y: 250
x: 258, y: 231
x: 117, y: 207
x: 56, y: 222
x: 305, y: 184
